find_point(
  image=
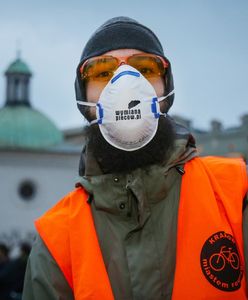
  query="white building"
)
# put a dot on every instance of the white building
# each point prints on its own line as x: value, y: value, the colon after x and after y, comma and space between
x: 37, y: 165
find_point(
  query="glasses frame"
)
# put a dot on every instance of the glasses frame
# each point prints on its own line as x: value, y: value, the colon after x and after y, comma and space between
x: 121, y: 61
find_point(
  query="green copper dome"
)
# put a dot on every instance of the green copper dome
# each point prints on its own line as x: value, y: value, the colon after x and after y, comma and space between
x: 26, y: 128
x: 18, y: 66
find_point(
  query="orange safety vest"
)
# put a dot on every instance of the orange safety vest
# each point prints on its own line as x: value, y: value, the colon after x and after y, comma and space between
x: 209, y: 258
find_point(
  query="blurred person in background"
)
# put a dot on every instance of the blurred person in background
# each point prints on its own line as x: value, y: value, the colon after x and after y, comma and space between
x: 4, y: 259
x: 4, y: 255
x: 148, y: 218
x: 12, y: 274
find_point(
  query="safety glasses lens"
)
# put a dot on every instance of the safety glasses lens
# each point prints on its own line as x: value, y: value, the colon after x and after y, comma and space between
x: 99, y: 69
x: 148, y: 66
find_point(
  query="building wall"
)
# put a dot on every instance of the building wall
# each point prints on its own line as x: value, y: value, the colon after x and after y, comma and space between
x: 224, y: 142
x: 53, y: 176
x: 220, y: 141
x: 75, y: 136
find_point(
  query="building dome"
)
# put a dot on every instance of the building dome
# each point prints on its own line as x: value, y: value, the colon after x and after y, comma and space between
x: 18, y: 66
x: 22, y: 126
x: 25, y: 127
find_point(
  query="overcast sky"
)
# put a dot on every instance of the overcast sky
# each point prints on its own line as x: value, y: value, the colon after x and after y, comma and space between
x: 205, y: 40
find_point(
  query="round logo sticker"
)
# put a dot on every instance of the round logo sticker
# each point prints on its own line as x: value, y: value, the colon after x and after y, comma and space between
x: 220, y: 262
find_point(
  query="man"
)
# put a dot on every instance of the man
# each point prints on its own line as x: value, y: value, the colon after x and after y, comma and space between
x: 4, y: 262
x: 12, y: 273
x: 148, y: 219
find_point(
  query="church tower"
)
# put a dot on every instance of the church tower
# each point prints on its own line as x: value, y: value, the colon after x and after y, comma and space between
x: 21, y: 125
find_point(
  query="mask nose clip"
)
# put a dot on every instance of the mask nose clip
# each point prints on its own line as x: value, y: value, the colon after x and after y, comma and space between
x: 124, y: 73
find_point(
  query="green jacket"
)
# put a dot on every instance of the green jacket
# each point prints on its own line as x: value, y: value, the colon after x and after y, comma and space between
x: 135, y: 216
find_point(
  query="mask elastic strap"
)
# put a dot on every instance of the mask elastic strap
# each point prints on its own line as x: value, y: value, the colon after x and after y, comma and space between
x: 99, y: 109
x: 85, y: 103
x: 93, y: 122
x: 154, y: 107
x: 164, y: 97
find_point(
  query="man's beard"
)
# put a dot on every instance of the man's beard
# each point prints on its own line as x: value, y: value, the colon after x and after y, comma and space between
x: 114, y: 160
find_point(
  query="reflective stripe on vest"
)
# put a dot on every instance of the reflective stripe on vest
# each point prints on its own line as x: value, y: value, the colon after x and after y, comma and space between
x: 209, y: 259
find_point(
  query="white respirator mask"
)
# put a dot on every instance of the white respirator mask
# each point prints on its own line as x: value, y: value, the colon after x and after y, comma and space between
x: 128, y: 110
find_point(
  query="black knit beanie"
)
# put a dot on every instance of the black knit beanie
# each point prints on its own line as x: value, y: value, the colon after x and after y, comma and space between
x: 121, y: 33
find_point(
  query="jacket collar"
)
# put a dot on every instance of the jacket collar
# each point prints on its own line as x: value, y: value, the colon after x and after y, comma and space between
x: 149, y: 185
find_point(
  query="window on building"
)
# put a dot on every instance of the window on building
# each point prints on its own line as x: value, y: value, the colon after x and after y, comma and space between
x: 27, y: 190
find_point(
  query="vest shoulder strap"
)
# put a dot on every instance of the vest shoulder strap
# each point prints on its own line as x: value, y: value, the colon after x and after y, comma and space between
x: 224, y: 172
x: 53, y: 227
